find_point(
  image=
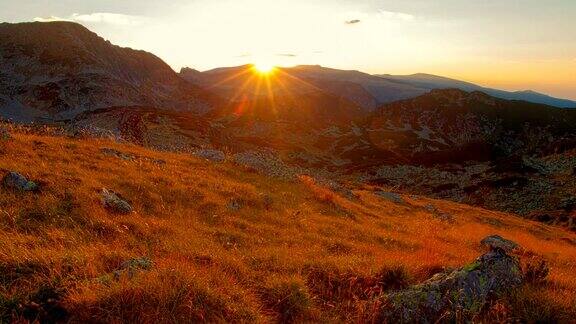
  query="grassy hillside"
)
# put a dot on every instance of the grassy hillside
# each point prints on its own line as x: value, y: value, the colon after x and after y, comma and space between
x: 219, y: 242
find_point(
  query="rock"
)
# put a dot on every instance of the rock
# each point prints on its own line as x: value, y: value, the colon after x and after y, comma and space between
x: 5, y: 133
x: 391, y: 196
x: 443, y: 216
x: 464, y: 291
x: 211, y: 155
x: 114, y: 202
x: 335, y: 186
x: 498, y: 242
x: 121, y: 155
x: 234, y: 205
x: 130, y: 267
x: 264, y: 162
x: 16, y: 181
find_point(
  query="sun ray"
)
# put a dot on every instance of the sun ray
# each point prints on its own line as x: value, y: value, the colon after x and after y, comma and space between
x: 230, y: 78
x: 264, y: 68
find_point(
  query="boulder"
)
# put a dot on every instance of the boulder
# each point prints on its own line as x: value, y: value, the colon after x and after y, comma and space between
x: 391, y: 196
x: 132, y: 266
x: 264, y: 162
x: 498, y: 242
x: 115, y: 153
x: 114, y: 202
x: 463, y: 292
x: 234, y: 205
x: 5, y: 133
x: 211, y: 155
x: 16, y: 181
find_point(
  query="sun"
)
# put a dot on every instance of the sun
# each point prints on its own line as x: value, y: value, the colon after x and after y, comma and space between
x: 264, y: 68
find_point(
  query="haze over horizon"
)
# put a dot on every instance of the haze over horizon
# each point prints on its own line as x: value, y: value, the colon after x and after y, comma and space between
x: 512, y: 45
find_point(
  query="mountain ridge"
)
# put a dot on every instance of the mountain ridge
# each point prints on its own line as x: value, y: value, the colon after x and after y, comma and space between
x: 431, y: 81
x: 396, y: 87
x: 60, y: 69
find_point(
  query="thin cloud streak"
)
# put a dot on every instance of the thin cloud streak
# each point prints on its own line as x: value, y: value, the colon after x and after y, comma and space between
x: 98, y: 18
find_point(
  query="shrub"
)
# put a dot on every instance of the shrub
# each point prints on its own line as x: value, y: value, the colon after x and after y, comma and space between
x: 535, y: 270
x: 346, y: 288
x: 529, y: 304
x: 393, y: 278
x: 289, y: 297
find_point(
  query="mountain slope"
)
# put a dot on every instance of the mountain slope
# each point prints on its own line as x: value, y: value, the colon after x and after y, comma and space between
x: 57, y: 70
x: 430, y: 82
x: 219, y: 242
x: 469, y: 147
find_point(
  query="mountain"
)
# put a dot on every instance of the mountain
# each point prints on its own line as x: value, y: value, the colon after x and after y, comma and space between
x: 57, y: 70
x: 430, y: 82
x: 470, y: 147
x: 362, y: 89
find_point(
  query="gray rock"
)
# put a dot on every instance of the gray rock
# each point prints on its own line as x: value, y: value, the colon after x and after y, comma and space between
x: 121, y: 155
x: 391, y: 196
x: 211, y: 155
x: 114, y: 202
x: 498, y: 242
x: 5, y: 133
x: 234, y: 205
x: 266, y: 163
x: 465, y: 291
x: 16, y: 181
x: 438, y: 213
x: 132, y: 266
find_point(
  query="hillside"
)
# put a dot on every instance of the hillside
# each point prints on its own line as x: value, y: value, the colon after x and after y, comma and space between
x: 221, y: 242
x: 448, y: 144
x: 54, y: 71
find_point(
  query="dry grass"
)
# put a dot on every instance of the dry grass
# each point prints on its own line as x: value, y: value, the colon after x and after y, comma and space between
x: 287, y: 251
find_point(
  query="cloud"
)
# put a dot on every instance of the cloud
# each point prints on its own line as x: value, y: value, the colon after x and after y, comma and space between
x: 50, y: 19
x: 395, y: 15
x: 98, y: 18
x: 287, y: 55
x: 352, y: 22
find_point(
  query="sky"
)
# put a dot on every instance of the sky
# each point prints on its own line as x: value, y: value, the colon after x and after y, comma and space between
x: 507, y: 44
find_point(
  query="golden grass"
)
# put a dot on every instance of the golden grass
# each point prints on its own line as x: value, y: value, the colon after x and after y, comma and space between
x: 293, y: 251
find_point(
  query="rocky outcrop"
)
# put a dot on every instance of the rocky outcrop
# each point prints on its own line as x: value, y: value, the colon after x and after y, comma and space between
x: 211, y: 155
x: 59, y: 70
x: 113, y: 202
x: 132, y: 266
x: 464, y: 291
x: 498, y: 242
x: 16, y: 181
x: 121, y: 155
x: 265, y: 163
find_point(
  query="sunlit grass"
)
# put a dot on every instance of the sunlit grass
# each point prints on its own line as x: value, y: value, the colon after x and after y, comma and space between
x: 214, y: 263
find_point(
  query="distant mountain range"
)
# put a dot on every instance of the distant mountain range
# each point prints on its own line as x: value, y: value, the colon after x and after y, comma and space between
x: 429, y: 82
x: 365, y: 90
